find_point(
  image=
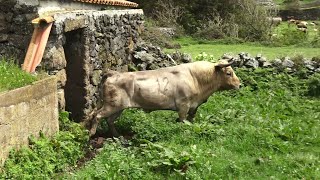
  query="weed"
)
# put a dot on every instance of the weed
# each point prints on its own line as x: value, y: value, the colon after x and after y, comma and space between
x: 314, y: 85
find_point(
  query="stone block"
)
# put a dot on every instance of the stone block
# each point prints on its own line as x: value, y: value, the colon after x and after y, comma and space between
x: 61, y: 78
x: 61, y: 100
x: 54, y: 58
x: 73, y: 24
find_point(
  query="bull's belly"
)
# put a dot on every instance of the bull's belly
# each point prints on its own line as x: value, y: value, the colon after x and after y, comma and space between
x: 153, y: 95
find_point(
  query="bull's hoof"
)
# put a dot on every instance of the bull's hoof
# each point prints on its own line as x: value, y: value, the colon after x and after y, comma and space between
x: 179, y: 120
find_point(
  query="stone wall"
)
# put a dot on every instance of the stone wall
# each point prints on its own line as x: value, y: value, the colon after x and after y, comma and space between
x: 15, y: 26
x: 27, y: 111
x: 83, y: 42
x: 81, y: 46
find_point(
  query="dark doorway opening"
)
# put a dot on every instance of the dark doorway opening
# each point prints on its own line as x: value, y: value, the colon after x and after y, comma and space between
x: 75, y: 85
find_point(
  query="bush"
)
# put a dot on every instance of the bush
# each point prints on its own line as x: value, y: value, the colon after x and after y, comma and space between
x: 212, y: 19
x: 314, y: 85
x: 290, y: 36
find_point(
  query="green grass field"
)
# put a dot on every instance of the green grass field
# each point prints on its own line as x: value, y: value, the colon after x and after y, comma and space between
x: 269, y: 129
x: 287, y: 42
x: 193, y: 48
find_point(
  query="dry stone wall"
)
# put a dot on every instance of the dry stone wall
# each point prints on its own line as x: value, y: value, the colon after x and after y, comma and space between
x: 15, y: 26
x: 27, y: 111
x: 82, y: 45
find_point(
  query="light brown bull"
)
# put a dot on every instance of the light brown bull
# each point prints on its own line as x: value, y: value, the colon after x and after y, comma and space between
x: 181, y: 88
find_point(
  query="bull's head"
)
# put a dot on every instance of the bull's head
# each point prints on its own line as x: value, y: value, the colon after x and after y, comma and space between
x: 228, y: 79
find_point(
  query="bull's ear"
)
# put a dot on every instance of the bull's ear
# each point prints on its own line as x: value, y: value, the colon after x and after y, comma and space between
x: 220, y: 66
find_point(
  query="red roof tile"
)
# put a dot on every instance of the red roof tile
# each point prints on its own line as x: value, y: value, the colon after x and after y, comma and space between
x: 111, y: 2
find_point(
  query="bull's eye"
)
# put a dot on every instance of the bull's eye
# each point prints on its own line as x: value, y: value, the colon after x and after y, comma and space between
x: 229, y: 73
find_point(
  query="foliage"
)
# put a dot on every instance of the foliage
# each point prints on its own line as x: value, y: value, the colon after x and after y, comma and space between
x: 211, y: 19
x: 267, y: 129
x: 314, y: 85
x: 290, y: 36
x: 46, y: 156
x: 166, y: 160
x: 204, y: 57
x: 11, y: 76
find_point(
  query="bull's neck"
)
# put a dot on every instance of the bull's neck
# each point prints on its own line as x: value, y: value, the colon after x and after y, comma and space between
x: 208, y: 82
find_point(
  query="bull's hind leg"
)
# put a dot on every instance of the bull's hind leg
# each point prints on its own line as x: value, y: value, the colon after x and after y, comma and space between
x: 183, y: 110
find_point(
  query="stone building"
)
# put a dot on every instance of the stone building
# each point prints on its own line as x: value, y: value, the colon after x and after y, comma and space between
x: 85, y: 38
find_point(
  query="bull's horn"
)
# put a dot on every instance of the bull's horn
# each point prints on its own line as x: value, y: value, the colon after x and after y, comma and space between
x: 230, y: 62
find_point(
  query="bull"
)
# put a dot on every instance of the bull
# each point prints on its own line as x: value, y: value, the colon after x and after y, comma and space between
x: 182, y: 88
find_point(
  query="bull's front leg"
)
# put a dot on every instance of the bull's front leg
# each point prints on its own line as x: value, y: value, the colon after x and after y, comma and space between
x: 183, y: 110
x: 111, y: 126
x: 105, y: 111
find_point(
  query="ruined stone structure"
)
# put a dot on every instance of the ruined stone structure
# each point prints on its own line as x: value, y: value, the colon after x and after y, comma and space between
x: 84, y: 40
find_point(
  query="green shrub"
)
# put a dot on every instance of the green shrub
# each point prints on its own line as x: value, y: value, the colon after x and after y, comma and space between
x: 163, y: 159
x: 204, y: 57
x: 290, y: 36
x: 314, y: 85
x: 46, y: 156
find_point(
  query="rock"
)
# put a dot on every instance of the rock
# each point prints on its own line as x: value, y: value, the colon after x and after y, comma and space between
x: 242, y: 55
x: 154, y: 66
x: 73, y: 24
x: 142, y: 67
x: 61, y: 78
x: 55, y: 58
x: 96, y: 77
x: 186, y: 58
x: 226, y: 56
x: 3, y: 38
x: 169, y: 32
x: 260, y: 59
x: 238, y: 62
x: 266, y: 64
x: 277, y: 63
x: 144, y: 56
x: 287, y: 63
x: 252, y: 63
x: 61, y: 99
x: 317, y: 70
x: 310, y: 65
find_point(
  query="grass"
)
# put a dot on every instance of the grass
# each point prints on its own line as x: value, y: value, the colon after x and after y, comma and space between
x: 194, y: 47
x: 11, y: 76
x: 269, y: 129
